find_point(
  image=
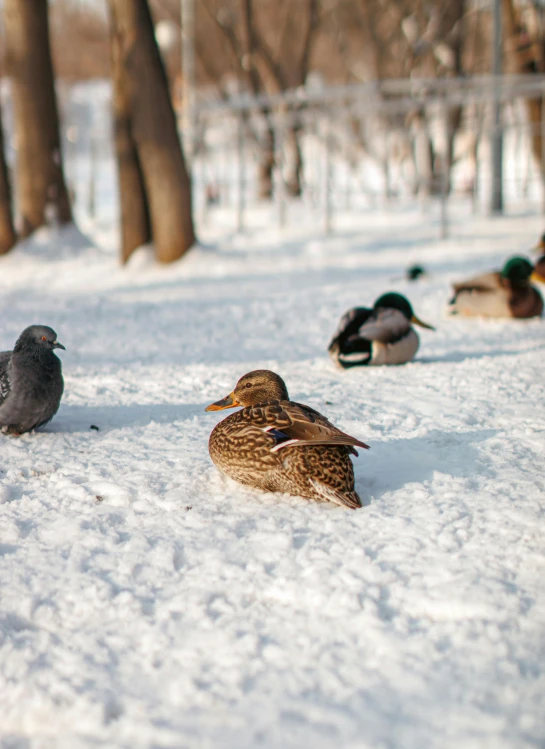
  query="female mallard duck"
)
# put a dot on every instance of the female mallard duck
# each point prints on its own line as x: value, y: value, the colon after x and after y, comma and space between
x: 381, y: 335
x: 278, y: 445
x: 505, y: 293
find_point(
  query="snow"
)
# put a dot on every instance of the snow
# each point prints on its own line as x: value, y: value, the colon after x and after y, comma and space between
x: 149, y: 601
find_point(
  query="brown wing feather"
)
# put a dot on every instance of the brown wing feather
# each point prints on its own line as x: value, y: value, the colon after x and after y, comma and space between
x: 309, y: 427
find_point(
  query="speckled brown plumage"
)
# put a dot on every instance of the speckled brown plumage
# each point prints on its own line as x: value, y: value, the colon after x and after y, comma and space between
x: 278, y: 445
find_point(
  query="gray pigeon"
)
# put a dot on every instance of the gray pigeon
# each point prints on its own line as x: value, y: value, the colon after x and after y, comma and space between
x: 31, y: 383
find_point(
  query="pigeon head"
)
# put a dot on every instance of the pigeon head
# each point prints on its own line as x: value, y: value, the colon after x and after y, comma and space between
x: 39, y: 337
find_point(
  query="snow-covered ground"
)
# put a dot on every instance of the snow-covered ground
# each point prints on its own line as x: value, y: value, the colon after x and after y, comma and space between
x: 148, y: 601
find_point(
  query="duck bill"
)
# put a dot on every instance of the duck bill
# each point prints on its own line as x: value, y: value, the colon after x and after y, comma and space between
x: 229, y: 402
x: 537, y: 277
x: 416, y: 321
x: 59, y: 345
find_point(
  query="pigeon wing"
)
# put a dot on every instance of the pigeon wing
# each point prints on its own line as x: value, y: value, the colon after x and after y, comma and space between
x: 5, y: 357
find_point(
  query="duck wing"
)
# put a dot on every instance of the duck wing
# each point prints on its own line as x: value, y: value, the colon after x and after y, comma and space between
x: 385, y: 326
x: 295, y: 424
x: 484, y: 283
x: 349, y: 325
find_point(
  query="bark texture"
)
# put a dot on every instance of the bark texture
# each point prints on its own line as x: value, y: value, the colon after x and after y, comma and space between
x: 8, y: 236
x: 41, y: 189
x: 149, y: 151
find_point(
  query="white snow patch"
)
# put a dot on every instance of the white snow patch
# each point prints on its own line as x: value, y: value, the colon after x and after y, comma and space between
x: 148, y: 601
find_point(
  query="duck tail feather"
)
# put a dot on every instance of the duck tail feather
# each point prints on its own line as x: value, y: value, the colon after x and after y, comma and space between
x: 344, y: 499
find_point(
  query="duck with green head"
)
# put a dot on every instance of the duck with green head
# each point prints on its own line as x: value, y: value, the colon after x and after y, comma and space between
x: 382, y: 334
x: 505, y: 293
x: 278, y: 445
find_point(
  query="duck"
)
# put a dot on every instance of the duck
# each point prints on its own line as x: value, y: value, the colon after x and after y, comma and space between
x: 414, y: 272
x: 504, y: 293
x: 539, y: 266
x: 382, y: 334
x: 278, y: 445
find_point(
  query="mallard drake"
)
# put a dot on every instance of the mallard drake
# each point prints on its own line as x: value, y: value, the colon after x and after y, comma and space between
x: 539, y: 267
x: 278, y: 445
x: 414, y: 272
x: 380, y: 335
x: 505, y: 293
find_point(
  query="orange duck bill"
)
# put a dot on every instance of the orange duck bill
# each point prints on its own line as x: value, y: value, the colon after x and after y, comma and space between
x: 228, y: 402
x: 416, y: 321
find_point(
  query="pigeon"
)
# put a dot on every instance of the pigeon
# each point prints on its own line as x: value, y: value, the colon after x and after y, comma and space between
x: 31, y: 383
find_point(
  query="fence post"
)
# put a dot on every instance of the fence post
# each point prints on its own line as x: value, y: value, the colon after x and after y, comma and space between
x: 328, y: 209
x: 240, y: 172
x: 92, y: 174
x: 445, y: 176
x: 497, y: 133
x: 542, y: 125
x: 279, y: 184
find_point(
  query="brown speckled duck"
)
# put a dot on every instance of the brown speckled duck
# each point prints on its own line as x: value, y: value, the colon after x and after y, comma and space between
x: 505, y: 293
x: 278, y: 445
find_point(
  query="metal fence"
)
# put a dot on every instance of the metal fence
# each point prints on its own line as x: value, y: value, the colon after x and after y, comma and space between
x: 369, y: 145
x: 362, y: 146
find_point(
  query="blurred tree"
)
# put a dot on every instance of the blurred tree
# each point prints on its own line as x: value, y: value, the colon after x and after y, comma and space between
x: 271, y: 42
x: 526, y: 45
x: 41, y: 190
x: 154, y: 183
x: 79, y: 40
x: 7, y: 232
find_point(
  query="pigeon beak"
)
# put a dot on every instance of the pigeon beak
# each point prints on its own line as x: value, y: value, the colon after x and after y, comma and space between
x: 416, y: 321
x: 56, y: 344
x: 229, y: 402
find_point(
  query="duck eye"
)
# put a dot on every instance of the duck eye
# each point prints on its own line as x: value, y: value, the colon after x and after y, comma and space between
x: 248, y: 385
x: 44, y: 338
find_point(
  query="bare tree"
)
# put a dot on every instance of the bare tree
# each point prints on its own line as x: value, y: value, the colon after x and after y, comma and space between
x: 528, y: 56
x: 41, y: 189
x: 271, y: 44
x: 79, y: 40
x: 154, y: 183
x: 7, y: 232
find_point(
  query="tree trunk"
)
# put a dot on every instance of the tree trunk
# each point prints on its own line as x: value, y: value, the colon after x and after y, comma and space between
x: 528, y: 60
x: 266, y: 164
x: 41, y: 189
x: 135, y: 220
x: 153, y: 131
x: 294, y: 159
x: 7, y: 232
